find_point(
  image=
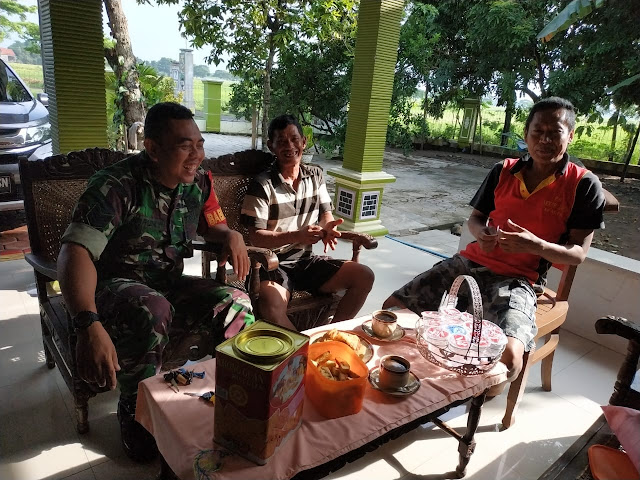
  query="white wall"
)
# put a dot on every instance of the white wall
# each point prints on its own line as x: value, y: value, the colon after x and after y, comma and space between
x: 605, y: 284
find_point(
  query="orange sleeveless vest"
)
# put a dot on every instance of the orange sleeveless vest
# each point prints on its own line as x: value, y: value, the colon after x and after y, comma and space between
x: 544, y: 213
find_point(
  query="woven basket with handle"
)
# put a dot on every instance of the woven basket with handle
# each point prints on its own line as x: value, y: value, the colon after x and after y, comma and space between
x: 457, y: 341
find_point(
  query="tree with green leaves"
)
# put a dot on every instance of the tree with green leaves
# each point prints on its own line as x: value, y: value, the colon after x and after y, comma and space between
x: 601, y: 54
x: 224, y: 75
x: 163, y: 65
x: 201, y: 71
x: 256, y: 34
x: 434, y: 53
x: 509, y: 59
x: 28, y: 31
x: 313, y: 81
x: 24, y: 54
x: 417, y: 59
x: 598, y: 52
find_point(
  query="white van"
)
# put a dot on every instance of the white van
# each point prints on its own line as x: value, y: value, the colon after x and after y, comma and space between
x: 24, y: 131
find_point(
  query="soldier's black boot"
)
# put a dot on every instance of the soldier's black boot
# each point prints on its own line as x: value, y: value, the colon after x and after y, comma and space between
x: 138, y: 443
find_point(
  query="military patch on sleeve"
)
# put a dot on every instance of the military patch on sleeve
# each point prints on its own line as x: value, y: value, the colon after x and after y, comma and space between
x: 211, y: 208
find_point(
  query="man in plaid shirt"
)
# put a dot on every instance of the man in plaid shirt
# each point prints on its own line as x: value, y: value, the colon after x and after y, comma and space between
x: 287, y: 209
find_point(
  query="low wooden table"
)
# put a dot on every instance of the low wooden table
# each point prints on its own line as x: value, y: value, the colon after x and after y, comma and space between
x: 183, y: 425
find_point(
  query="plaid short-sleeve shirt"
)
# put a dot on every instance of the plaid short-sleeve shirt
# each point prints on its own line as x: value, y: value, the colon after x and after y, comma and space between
x: 273, y: 204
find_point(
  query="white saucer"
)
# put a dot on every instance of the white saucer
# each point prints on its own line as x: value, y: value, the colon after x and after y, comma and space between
x: 397, y: 334
x: 409, y: 389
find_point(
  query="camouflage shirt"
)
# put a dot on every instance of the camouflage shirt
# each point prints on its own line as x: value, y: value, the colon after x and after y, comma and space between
x: 136, y: 228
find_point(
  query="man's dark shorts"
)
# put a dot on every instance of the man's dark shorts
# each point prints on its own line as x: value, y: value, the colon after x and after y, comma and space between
x: 305, y: 274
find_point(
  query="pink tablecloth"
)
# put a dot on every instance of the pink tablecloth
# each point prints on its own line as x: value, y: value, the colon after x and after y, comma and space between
x: 183, y: 425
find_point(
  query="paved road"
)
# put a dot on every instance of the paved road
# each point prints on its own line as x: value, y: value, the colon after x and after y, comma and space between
x: 428, y: 193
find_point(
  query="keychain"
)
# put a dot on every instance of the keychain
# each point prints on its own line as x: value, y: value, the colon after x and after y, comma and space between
x: 181, y: 376
x: 207, y: 396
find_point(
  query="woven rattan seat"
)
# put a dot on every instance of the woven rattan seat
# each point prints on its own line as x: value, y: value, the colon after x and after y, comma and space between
x: 231, y: 177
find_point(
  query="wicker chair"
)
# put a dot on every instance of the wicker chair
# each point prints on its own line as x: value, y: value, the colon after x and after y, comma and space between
x: 231, y: 176
x: 51, y: 189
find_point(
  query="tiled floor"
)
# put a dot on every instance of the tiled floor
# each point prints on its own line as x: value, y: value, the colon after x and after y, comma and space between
x: 38, y: 438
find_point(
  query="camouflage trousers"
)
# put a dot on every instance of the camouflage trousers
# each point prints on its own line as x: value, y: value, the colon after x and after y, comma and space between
x: 140, y: 320
x: 509, y: 302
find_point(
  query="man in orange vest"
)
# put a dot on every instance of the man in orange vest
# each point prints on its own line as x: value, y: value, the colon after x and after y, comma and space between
x: 528, y: 213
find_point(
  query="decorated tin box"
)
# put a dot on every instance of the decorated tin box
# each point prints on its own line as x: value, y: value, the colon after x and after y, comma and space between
x: 259, y: 389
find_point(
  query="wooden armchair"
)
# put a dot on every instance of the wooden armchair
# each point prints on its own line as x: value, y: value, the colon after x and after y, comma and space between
x: 624, y: 395
x: 51, y: 189
x: 550, y: 315
x: 231, y: 177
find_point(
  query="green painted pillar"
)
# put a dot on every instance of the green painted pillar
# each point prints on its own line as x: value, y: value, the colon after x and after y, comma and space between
x: 212, y: 104
x: 360, y: 181
x: 73, y: 67
x: 471, y: 108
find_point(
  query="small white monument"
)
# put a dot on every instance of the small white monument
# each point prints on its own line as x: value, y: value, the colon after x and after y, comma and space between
x: 186, y: 68
x: 182, y: 74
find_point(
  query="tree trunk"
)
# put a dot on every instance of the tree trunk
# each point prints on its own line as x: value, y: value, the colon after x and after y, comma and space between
x: 123, y: 63
x: 540, y: 69
x: 508, y: 113
x: 612, y: 149
x: 531, y: 94
x: 266, y: 97
x: 273, y: 24
x: 425, y: 105
x: 632, y: 147
x: 254, y: 128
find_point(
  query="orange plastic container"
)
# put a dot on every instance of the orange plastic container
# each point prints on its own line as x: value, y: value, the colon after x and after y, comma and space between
x: 333, y: 398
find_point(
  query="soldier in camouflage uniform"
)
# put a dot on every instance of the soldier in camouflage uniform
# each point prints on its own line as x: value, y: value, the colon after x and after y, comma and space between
x: 121, y: 264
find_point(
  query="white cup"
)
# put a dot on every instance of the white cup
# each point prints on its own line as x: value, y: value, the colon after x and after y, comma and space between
x: 383, y: 323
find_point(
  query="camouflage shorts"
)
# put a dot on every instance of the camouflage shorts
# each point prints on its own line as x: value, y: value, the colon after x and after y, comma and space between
x: 507, y: 301
x: 140, y: 320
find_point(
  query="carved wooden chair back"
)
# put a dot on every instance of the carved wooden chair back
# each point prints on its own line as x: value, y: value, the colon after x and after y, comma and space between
x: 52, y: 188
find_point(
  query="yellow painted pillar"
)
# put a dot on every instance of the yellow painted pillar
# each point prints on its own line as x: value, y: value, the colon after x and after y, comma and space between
x: 73, y: 67
x: 212, y: 104
x: 360, y: 181
x: 469, y: 121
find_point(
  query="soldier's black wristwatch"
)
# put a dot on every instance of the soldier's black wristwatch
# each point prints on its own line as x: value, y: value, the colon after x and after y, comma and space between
x: 83, y: 319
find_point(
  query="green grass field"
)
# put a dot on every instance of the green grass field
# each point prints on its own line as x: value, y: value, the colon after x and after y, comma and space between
x: 596, y: 146
x: 31, y: 75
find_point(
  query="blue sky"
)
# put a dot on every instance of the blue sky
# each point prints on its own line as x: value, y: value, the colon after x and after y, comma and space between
x: 154, y: 31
